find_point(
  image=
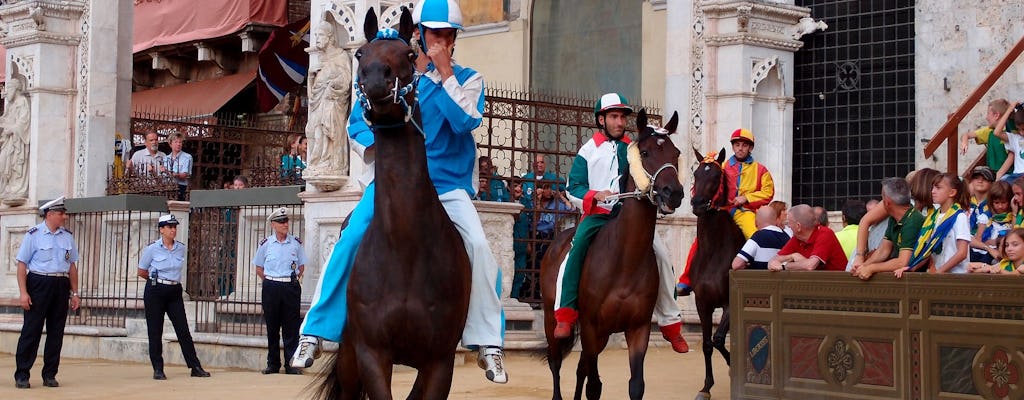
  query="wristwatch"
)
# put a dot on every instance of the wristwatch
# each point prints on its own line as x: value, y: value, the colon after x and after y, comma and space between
x: 73, y: 294
x: 784, y: 265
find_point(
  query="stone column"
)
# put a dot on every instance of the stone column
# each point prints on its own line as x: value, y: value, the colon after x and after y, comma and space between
x: 749, y: 58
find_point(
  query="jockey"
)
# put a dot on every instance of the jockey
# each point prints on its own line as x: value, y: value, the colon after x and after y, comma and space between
x: 750, y: 187
x: 451, y: 100
x: 595, y: 175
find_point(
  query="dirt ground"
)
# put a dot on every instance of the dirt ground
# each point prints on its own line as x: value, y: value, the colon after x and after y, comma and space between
x: 668, y: 376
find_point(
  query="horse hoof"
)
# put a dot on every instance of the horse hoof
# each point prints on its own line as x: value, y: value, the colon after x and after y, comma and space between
x: 703, y: 396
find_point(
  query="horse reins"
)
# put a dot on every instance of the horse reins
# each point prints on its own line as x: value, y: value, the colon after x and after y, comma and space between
x: 649, y: 192
x: 710, y: 158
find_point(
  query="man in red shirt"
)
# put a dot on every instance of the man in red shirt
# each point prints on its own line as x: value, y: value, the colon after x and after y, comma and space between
x: 812, y: 247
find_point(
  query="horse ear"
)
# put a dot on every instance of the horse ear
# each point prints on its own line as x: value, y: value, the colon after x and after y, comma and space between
x: 721, y: 155
x: 672, y: 123
x: 700, y: 157
x: 370, y: 25
x: 641, y: 125
x: 405, y: 25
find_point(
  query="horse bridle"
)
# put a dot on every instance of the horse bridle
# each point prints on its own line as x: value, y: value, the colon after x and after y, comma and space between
x: 710, y: 159
x: 398, y: 93
x: 650, y: 192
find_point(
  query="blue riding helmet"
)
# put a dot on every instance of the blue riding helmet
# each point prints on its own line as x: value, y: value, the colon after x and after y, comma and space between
x: 436, y: 14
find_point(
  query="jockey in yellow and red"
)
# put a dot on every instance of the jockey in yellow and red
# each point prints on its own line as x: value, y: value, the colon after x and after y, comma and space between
x: 750, y: 187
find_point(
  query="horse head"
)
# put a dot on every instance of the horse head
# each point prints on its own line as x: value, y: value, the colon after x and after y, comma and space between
x: 709, y: 191
x: 652, y: 154
x: 386, y: 79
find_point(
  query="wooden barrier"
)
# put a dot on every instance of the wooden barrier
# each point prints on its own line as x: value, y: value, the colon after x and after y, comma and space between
x: 828, y: 335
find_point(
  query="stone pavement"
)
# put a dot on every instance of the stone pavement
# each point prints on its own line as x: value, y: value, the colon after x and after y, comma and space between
x: 668, y: 375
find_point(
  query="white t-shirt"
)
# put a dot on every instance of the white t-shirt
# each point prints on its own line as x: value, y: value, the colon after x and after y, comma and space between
x: 961, y: 231
x: 1015, y: 145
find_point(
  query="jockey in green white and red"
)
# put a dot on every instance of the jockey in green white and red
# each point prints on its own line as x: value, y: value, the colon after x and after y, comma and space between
x: 595, y: 175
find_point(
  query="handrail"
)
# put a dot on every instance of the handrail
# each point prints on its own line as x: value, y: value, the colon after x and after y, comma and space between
x: 948, y: 130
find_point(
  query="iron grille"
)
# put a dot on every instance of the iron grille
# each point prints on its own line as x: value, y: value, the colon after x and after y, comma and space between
x: 854, y: 113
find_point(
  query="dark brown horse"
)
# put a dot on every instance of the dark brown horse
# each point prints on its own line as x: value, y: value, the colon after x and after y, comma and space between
x: 719, y: 239
x: 619, y: 280
x: 409, y: 290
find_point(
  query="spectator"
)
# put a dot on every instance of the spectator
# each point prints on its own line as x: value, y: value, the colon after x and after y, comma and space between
x: 555, y: 206
x: 148, y: 160
x: 876, y: 233
x: 945, y: 228
x: 904, y: 227
x: 539, y: 173
x: 240, y: 182
x: 1013, y: 256
x: 821, y: 215
x: 520, y: 234
x: 781, y: 209
x: 853, y: 211
x: 812, y: 246
x: 179, y: 164
x: 1011, y: 133
x: 920, y: 183
x: 492, y: 187
x: 293, y: 163
x: 764, y: 244
x: 980, y: 183
x: 992, y: 226
x: 995, y: 150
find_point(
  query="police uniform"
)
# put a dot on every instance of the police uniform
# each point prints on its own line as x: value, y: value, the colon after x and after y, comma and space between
x: 49, y: 258
x: 281, y: 261
x: 163, y: 296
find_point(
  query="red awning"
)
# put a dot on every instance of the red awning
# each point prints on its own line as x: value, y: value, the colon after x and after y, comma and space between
x: 191, y: 99
x: 159, y: 23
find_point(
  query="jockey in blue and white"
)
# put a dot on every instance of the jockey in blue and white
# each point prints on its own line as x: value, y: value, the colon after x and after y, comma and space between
x: 451, y: 101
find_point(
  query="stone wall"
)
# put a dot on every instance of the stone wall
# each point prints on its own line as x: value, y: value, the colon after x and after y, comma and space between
x: 959, y: 45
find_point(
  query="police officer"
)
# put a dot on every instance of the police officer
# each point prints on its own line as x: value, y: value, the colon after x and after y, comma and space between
x: 160, y: 265
x: 280, y: 262
x: 47, y: 279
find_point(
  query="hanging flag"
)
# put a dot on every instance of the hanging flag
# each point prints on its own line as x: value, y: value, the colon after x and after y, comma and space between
x: 283, y: 63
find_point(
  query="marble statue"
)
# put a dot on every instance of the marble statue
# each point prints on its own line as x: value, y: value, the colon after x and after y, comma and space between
x: 330, y: 89
x: 14, y: 144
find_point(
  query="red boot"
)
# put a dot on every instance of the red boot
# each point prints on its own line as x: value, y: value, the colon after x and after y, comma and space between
x: 673, y: 334
x: 565, y: 318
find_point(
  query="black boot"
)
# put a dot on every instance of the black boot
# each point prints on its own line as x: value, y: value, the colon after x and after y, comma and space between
x: 158, y: 374
x: 199, y: 372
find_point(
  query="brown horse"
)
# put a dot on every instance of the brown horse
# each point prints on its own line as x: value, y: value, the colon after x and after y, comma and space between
x: 719, y: 239
x: 619, y: 280
x: 409, y: 288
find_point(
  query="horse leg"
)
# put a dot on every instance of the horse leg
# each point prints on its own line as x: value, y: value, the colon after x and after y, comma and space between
x: 348, y: 373
x: 434, y: 380
x: 637, y: 340
x: 555, y: 364
x: 592, y: 348
x: 723, y: 329
x: 375, y: 370
x: 704, y: 311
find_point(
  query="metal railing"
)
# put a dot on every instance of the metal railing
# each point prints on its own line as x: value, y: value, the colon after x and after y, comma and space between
x: 225, y: 229
x: 110, y: 233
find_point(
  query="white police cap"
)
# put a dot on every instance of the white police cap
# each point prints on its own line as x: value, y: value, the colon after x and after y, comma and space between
x: 52, y: 205
x: 279, y: 215
x: 165, y: 220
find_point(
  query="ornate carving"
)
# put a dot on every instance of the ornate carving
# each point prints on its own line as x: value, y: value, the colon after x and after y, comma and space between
x: 25, y: 65
x: 329, y: 99
x: 742, y: 17
x: 845, y: 305
x: 14, y: 143
x: 761, y: 70
x: 986, y: 311
x: 915, y: 365
x: 806, y: 26
x: 697, y: 95
x: 757, y: 301
x: 997, y: 373
x: 83, y: 106
x: 840, y: 361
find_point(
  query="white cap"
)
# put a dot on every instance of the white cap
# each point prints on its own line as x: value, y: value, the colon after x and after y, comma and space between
x: 279, y: 215
x: 54, y: 205
x: 167, y: 220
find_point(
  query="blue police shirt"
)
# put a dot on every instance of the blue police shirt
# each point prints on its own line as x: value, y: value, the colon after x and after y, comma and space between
x: 162, y: 263
x: 279, y: 258
x: 48, y: 252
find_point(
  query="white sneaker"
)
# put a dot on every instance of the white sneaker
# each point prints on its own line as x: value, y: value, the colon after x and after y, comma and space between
x: 309, y: 349
x: 491, y: 360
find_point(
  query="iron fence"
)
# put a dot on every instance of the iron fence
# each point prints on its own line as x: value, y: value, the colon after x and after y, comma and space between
x: 520, y: 128
x: 225, y: 229
x: 110, y: 233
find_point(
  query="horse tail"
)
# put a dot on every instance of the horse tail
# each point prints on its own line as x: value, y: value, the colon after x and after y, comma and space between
x: 564, y: 347
x: 326, y: 385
